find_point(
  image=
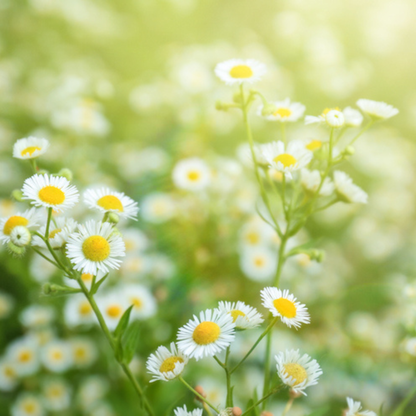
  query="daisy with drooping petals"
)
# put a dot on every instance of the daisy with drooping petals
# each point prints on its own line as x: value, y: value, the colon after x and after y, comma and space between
x: 166, y: 365
x: 285, y: 111
x: 288, y: 158
x: 311, y: 179
x: 59, y: 232
x: 283, y: 304
x: 347, y: 191
x: 354, y: 409
x: 106, y: 200
x: 27, y: 219
x: 50, y: 191
x: 333, y: 117
x: 30, y: 148
x: 183, y: 411
x: 296, y: 371
x: 240, y: 71
x: 377, y: 109
x: 192, y: 174
x: 244, y: 316
x: 95, y: 247
x: 207, y: 335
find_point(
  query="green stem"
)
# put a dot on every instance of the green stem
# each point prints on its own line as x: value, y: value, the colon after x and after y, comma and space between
x: 34, y: 165
x: 45, y: 257
x: 274, y: 391
x: 283, y: 132
x: 198, y: 395
x: 48, y: 223
x: 402, y: 406
x: 370, y: 123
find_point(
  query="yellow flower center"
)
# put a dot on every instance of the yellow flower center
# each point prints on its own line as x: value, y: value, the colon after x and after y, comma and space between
x: 327, y: 110
x: 52, y: 195
x: 9, y: 372
x: 241, y: 71
x: 84, y: 308
x: 193, y: 175
x: 29, y: 407
x: 14, y: 222
x: 57, y: 355
x: 30, y: 150
x: 253, y: 237
x: 206, y: 333
x: 285, y: 159
x: 54, y: 232
x: 137, y: 302
x: 297, y: 372
x: 25, y: 356
x: 96, y: 248
x: 285, y: 307
x: 314, y: 145
x: 114, y: 311
x: 86, y: 277
x: 259, y: 261
x: 54, y: 391
x: 169, y: 364
x: 110, y: 202
x: 283, y: 112
x: 235, y: 313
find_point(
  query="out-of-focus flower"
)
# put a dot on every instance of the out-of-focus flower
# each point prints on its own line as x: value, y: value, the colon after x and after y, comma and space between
x: 333, y: 117
x: 347, y: 190
x: 8, y: 375
x: 353, y: 118
x: 377, y: 109
x: 191, y: 174
x: 84, y: 351
x: 78, y: 311
x: 112, y: 306
x: 27, y: 404
x: 157, y: 207
x: 240, y: 71
x: 57, y: 356
x: 37, y: 316
x: 59, y: 232
x: 311, y: 179
x: 183, y: 411
x: 354, y: 409
x: 284, y: 111
x: 244, y: 316
x: 6, y: 304
x: 56, y: 394
x: 258, y: 263
x: 30, y: 148
x: 144, y: 304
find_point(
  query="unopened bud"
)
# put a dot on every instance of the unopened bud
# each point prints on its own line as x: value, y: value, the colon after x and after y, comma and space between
x: 237, y: 97
x: 52, y: 289
x: 268, y: 110
x: 113, y: 218
x: 220, y: 106
x: 317, y: 255
x: 266, y: 413
x: 66, y: 173
x: 237, y: 411
x: 116, y: 232
x: 349, y: 150
x: 17, y: 195
x: 200, y: 390
x: 42, y: 172
x: 20, y: 236
x: 15, y: 250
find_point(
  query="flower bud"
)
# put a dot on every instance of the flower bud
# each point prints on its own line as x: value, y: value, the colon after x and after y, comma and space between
x: 266, y: 413
x: 220, y: 106
x: 237, y: 411
x: 52, y: 289
x: 113, y: 218
x: 17, y: 195
x: 200, y: 390
x: 116, y: 232
x: 317, y: 255
x: 349, y: 150
x: 20, y: 236
x: 15, y: 250
x: 268, y: 110
x: 237, y: 97
x: 66, y: 173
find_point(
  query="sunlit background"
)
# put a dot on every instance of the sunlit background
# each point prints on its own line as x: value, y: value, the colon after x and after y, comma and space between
x: 123, y: 90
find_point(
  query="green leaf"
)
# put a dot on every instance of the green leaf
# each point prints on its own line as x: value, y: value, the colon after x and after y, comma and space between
x: 131, y: 340
x: 97, y: 285
x: 123, y: 323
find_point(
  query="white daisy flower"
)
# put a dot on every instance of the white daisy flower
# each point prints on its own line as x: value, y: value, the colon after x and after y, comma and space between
x: 157, y: 207
x: 50, y: 191
x: 353, y: 118
x: 95, y: 247
x: 347, y: 190
x: 20, y: 236
x: 206, y: 336
x: 27, y: 404
x: 311, y: 179
x: 166, y: 365
x: 285, y: 111
x: 183, y: 411
x: 256, y: 233
x: 135, y: 241
x: 296, y: 371
x: 56, y: 356
x: 258, y: 263
x: 244, y: 316
x: 37, y: 316
x: 8, y: 375
x: 23, y: 353
x: 105, y: 200
x: 354, y: 409
x: 56, y: 394
x: 377, y: 109
x: 28, y: 219
x: 84, y: 351
x: 112, y: 306
x: 288, y: 158
x: 240, y: 71
x: 283, y: 304
x: 333, y: 117
x: 191, y: 174
x: 144, y: 304
x: 30, y: 148
x: 78, y: 311
x: 59, y: 231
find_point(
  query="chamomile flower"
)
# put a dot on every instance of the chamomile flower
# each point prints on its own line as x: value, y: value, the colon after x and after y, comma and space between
x: 191, y: 174
x: 333, y: 117
x: 27, y: 404
x: 144, y: 304
x: 37, y: 316
x: 240, y: 71
x: 157, y: 207
x: 135, y: 241
x: 288, y: 158
x: 258, y: 263
x: 256, y: 233
x: 95, y: 247
x: 207, y: 335
x: 30, y: 148
x: 166, y: 365
x: 23, y: 353
x: 57, y: 356
x: 183, y: 411
x: 354, y: 409
x: 347, y: 191
x: 8, y: 375
x: 377, y: 109
x: 56, y: 394
x: 28, y: 219
x: 244, y: 316
x: 112, y: 306
x: 105, y: 200
x: 311, y: 179
x: 84, y: 351
x: 296, y: 371
x: 59, y: 232
x: 283, y: 304
x: 78, y: 311
x: 353, y: 118
x: 50, y: 191
x: 285, y: 111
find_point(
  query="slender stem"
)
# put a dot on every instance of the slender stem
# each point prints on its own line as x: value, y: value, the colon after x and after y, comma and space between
x: 267, y: 354
x: 219, y: 362
x: 198, y: 395
x: 45, y: 257
x: 274, y: 391
x: 284, y: 193
x: 402, y: 406
x: 281, y: 259
x: 283, y: 131
x: 370, y: 123
x: 48, y: 223
x: 34, y: 165
x: 288, y: 406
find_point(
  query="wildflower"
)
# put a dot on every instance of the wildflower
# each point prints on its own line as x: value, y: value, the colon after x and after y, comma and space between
x: 284, y: 111
x: 135, y: 241
x: 256, y: 233
x: 78, y: 311
x: 353, y: 118
x: 105, y: 200
x: 347, y: 190
x: 8, y: 375
x: 166, y: 365
x: 354, y: 409
x: 56, y: 394
x: 333, y: 117
x: 157, y: 208
x: 258, y: 263
x: 283, y: 304
x: 296, y: 371
x: 240, y: 71
x: 377, y: 109
x: 191, y: 174
x: 30, y: 148
x: 37, y: 316
x: 144, y: 304
x: 112, y: 306
x: 59, y: 232
x: 27, y: 404
x: 84, y: 351
x: 206, y: 336
x: 244, y: 316
x: 50, y: 191
x: 57, y: 356
x: 27, y: 219
x: 288, y: 158
x: 311, y: 179
x: 95, y: 247
x: 24, y: 355
x: 20, y: 236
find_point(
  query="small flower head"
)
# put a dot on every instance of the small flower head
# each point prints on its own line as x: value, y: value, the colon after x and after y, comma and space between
x: 284, y: 111
x: 30, y: 148
x: 27, y: 404
x: 112, y: 306
x: 296, y: 371
x: 84, y: 351
x: 240, y: 71
x: 166, y: 364
x: 244, y: 316
x: 283, y: 304
x: 354, y: 409
x: 311, y: 179
x: 20, y: 236
x: 144, y: 304
x: 183, y: 411
x: 191, y: 174
x: 57, y: 356
x: 23, y: 353
x: 333, y: 117
x: 378, y: 110
x: 59, y: 232
x: 56, y: 394
x: 347, y: 191
x: 207, y: 335
x: 258, y: 263
x: 28, y: 219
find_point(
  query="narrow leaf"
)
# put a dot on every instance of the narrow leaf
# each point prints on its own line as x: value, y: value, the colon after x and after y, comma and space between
x: 123, y: 323
x: 131, y: 340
